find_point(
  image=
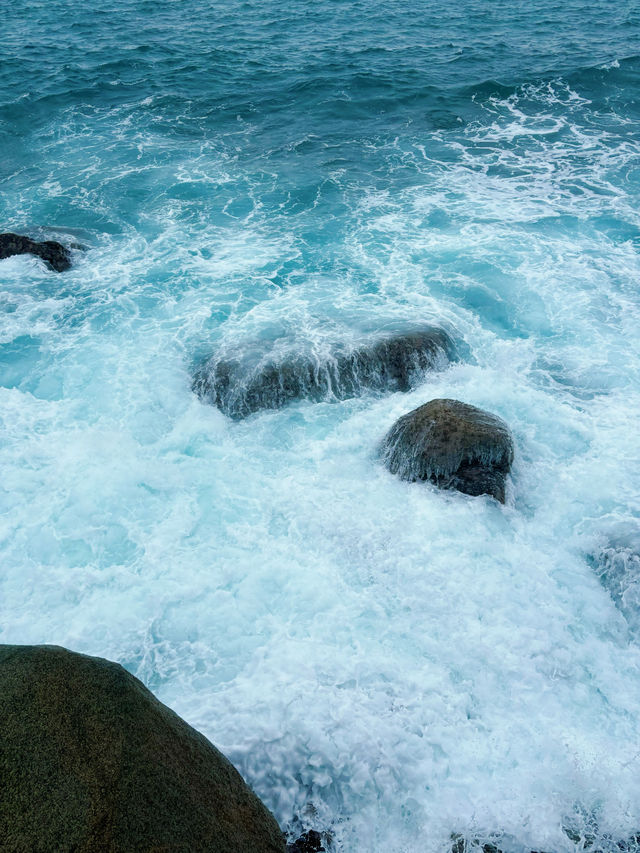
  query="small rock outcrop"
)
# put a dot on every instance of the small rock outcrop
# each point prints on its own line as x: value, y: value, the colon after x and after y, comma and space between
x: 392, y: 363
x: 91, y: 761
x: 451, y: 444
x: 308, y: 842
x: 53, y: 253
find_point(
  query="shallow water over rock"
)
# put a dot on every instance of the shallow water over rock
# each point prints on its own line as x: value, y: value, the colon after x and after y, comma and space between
x: 390, y: 363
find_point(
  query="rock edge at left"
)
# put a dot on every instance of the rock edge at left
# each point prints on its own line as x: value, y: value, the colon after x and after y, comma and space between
x: 54, y: 254
x: 91, y: 761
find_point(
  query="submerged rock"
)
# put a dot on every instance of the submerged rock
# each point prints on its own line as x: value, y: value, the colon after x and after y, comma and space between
x: 392, y: 363
x: 308, y: 842
x: 451, y: 444
x: 593, y: 841
x: 464, y: 845
x: 617, y: 564
x: 53, y: 253
x: 90, y: 760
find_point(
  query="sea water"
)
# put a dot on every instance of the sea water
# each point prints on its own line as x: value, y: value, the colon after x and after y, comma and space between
x: 381, y: 660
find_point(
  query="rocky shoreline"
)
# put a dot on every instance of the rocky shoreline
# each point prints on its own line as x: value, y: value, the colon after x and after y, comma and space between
x: 93, y: 760
x: 90, y: 759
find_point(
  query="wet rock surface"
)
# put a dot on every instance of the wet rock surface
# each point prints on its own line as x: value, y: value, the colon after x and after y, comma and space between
x: 55, y: 255
x: 308, y: 842
x: 453, y: 445
x: 91, y: 761
x: 391, y: 363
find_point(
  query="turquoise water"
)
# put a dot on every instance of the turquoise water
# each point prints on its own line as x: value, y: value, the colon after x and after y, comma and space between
x: 379, y: 659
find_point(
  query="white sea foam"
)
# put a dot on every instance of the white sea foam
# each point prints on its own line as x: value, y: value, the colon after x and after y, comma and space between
x: 408, y: 662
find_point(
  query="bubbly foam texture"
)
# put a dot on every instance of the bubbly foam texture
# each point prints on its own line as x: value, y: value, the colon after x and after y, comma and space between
x: 381, y: 658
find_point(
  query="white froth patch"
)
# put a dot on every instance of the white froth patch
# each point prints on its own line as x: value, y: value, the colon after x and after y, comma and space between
x: 411, y: 662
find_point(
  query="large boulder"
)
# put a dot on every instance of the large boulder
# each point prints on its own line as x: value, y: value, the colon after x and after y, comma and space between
x: 53, y: 253
x: 239, y: 387
x: 91, y: 761
x: 451, y: 444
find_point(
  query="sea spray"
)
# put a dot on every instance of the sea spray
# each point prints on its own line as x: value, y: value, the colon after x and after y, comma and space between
x: 247, y: 381
x: 393, y: 662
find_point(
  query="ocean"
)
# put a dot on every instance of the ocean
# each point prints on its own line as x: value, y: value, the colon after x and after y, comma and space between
x: 389, y: 663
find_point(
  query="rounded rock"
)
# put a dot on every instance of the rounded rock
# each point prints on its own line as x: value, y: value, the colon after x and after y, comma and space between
x: 91, y: 761
x: 453, y: 445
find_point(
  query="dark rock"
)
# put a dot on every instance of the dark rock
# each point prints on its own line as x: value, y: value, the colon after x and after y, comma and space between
x: 309, y: 842
x: 391, y: 363
x: 464, y: 845
x: 91, y: 761
x: 453, y: 445
x: 53, y: 253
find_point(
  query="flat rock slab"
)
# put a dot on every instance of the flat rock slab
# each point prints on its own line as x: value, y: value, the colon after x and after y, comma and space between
x: 391, y: 363
x: 55, y: 255
x: 451, y: 444
x: 91, y: 761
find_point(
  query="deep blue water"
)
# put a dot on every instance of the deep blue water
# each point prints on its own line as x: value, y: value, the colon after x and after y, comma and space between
x: 379, y: 659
